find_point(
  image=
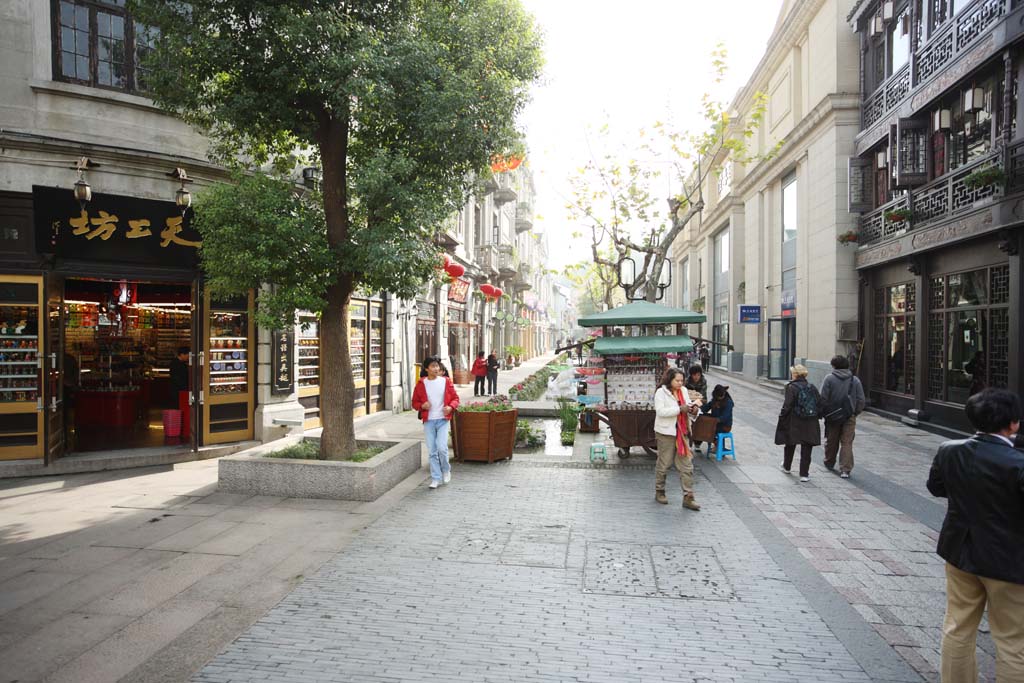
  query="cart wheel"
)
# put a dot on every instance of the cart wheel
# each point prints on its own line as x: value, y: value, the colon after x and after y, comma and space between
x: 650, y: 451
x: 624, y: 453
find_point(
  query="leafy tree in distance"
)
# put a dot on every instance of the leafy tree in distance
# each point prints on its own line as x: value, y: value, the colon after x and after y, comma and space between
x: 617, y: 200
x: 400, y: 101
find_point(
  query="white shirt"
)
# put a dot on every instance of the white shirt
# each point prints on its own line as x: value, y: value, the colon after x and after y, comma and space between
x: 435, y: 395
x: 1009, y: 442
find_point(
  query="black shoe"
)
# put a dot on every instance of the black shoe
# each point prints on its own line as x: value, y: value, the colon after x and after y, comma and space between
x: 830, y: 467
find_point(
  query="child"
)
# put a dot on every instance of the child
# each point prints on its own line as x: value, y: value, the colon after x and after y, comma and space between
x: 435, y: 399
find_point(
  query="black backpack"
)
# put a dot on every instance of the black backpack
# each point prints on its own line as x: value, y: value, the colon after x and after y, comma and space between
x: 806, y: 402
x: 841, y: 409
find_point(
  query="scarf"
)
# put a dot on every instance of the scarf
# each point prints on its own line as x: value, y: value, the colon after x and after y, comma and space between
x: 681, y: 423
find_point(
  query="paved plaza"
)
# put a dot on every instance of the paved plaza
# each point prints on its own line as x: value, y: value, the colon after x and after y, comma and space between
x: 546, y: 568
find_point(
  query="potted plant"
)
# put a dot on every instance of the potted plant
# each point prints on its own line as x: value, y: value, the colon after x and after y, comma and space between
x: 898, y: 215
x: 510, y: 356
x: 848, y: 237
x: 697, y: 305
x: 983, y: 177
x: 485, y: 431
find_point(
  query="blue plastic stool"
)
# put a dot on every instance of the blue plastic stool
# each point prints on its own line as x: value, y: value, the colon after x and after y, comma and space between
x: 720, y: 450
x: 597, y: 452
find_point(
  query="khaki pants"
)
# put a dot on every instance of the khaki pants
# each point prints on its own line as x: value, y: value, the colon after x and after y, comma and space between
x: 839, y: 437
x: 667, y: 454
x: 966, y: 595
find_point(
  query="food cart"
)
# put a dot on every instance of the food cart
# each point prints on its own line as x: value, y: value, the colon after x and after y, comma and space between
x: 638, y: 341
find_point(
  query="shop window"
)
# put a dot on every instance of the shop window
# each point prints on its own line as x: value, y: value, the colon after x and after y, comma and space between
x: 911, y: 158
x: 894, y: 351
x: 98, y: 44
x: 968, y: 333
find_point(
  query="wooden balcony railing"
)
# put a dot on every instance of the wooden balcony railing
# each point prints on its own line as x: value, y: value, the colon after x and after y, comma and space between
x: 942, y: 198
x: 886, y: 97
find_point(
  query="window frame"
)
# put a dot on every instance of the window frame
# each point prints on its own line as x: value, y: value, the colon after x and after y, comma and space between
x: 131, y: 71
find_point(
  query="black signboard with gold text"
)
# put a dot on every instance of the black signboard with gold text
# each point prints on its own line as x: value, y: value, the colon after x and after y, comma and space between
x: 114, y: 228
x: 282, y: 347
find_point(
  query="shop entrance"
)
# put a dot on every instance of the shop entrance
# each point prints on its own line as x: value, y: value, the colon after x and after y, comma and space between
x: 126, y: 372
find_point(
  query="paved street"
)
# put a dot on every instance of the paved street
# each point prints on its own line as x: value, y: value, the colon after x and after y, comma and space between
x: 542, y: 569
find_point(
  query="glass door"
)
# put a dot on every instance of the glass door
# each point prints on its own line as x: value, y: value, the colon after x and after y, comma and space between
x: 309, y: 370
x: 62, y: 377
x: 22, y: 337
x: 357, y: 351
x: 780, y: 354
x: 228, y: 370
x: 375, y: 397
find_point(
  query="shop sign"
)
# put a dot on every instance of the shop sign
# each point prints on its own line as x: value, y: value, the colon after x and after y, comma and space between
x: 788, y: 303
x: 458, y: 290
x: 283, y: 347
x: 114, y: 228
x: 750, y: 314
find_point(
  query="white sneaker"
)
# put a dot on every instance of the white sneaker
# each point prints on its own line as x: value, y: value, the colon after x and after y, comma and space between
x: 434, y: 483
x: 447, y: 476
x: 805, y: 479
x: 783, y: 468
x: 844, y: 475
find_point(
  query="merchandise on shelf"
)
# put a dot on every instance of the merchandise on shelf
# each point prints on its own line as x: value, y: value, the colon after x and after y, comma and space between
x: 229, y: 359
x: 19, y: 354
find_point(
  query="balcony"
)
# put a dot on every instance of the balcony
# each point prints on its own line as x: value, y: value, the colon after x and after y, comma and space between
x: 506, y: 261
x: 962, y: 35
x: 524, y: 216
x: 506, y: 191
x: 487, y: 259
x: 943, y: 198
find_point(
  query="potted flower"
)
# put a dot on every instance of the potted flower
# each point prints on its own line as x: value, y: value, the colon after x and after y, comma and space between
x: 898, y: 215
x: 983, y: 177
x: 485, y: 431
x: 848, y: 237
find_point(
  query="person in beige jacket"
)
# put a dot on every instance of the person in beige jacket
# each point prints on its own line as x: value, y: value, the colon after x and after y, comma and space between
x: 672, y: 408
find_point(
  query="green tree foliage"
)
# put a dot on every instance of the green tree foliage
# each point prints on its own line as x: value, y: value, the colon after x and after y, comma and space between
x: 399, y: 101
x: 616, y: 198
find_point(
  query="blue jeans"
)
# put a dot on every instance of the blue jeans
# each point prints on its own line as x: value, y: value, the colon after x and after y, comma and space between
x: 436, y: 432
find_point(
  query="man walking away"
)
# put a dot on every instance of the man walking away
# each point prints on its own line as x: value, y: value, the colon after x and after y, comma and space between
x: 982, y: 538
x: 842, y: 394
x: 492, y: 373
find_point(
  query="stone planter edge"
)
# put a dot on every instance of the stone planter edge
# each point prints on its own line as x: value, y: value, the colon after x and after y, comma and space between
x: 251, y: 472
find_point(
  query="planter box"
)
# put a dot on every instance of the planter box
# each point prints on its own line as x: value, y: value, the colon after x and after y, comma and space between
x: 251, y: 472
x: 484, y: 437
x: 462, y: 377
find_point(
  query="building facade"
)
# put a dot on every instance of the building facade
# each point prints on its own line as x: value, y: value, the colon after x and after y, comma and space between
x: 767, y: 235
x: 937, y: 176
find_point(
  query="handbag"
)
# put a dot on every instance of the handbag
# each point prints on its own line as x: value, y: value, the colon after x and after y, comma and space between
x: 704, y: 428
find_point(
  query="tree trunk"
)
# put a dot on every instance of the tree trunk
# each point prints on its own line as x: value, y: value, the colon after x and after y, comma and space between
x: 337, y: 389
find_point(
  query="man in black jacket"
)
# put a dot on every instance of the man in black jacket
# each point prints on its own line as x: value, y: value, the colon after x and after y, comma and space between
x: 982, y: 538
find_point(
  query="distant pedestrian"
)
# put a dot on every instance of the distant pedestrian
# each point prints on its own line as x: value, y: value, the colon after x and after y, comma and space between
x: 842, y: 400
x: 798, y: 422
x: 720, y: 406
x: 672, y: 408
x: 479, y: 374
x: 695, y: 381
x: 435, y: 400
x: 982, y: 538
x: 492, y: 373
x: 705, y: 356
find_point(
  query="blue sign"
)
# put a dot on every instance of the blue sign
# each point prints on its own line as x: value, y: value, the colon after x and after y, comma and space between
x: 750, y: 314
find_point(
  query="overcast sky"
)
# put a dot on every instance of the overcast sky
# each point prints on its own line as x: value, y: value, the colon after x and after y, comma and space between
x: 629, y: 64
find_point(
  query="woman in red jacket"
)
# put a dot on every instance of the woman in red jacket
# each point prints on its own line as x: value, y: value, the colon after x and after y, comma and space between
x: 435, y: 399
x: 479, y: 374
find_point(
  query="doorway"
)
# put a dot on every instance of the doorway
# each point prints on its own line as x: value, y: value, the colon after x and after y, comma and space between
x: 781, y: 347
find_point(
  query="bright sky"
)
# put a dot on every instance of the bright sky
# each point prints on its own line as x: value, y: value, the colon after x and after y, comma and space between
x: 628, y: 64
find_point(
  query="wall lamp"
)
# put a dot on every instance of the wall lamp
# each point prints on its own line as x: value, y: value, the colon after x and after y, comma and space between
x: 182, y: 198
x: 82, y: 191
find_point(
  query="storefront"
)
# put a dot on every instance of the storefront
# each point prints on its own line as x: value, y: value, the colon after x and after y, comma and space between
x: 942, y: 326
x: 118, y: 344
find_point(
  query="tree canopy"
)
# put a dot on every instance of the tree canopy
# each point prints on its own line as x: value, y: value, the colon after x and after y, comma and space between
x: 401, y: 102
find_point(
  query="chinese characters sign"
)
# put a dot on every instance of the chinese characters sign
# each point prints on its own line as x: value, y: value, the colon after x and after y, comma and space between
x: 458, y: 290
x: 281, y: 348
x: 113, y: 228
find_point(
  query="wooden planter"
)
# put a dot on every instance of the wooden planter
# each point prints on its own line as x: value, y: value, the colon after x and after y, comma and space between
x: 462, y: 377
x: 484, y: 437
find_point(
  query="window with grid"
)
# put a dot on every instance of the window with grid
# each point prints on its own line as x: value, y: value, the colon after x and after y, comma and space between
x: 894, y: 353
x: 96, y: 43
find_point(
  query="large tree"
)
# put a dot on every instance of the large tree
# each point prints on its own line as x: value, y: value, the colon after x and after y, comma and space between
x: 615, y: 193
x: 400, y: 101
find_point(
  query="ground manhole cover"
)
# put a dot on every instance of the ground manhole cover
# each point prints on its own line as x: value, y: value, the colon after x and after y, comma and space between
x: 667, y: 571
x: 526, y: 546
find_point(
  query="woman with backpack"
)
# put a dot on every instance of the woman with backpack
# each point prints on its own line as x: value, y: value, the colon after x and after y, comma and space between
x: 798, y: 422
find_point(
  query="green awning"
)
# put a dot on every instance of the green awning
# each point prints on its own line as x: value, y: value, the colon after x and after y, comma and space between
x: 642, y: 313
x: 680, y: 343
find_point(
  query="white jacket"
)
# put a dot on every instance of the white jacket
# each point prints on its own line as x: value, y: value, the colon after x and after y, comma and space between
x: 666, y: 410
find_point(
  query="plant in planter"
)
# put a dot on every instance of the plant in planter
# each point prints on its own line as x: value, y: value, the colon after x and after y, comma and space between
x: 993, y: 175
x: 527, y: 437
x: 568, y: 437
x: 568, y: 414
x: 898, y: 215
x: 485, y: 431
x: 848, y: 237
x: 697, y: 305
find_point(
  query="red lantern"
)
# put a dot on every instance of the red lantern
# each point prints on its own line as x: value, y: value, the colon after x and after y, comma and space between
x: 455, y: 269
x: 487, y: 290
x: 447, y: 261
x: 498, y: 293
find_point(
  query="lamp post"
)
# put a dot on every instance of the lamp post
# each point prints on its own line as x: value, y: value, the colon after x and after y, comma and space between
x: 627, y: 278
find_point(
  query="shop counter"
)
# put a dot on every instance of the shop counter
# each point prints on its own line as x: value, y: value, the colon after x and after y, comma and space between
x: 106, y: 408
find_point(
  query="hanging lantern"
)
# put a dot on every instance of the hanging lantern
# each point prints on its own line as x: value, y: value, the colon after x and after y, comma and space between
x: 941, y: 119
x: 888, y: 10
x: 974, y: 99
x: 455, y: 269
x: 487, y: 290
x: 882, y: 158
x: 498, y: 292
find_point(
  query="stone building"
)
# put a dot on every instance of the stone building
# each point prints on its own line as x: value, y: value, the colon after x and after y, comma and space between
x: 767, y: 236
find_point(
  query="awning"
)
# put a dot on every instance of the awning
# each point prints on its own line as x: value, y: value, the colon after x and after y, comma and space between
x: 680, y: 343
x: 642, y: 313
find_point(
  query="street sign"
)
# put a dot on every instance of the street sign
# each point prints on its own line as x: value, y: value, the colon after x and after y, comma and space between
x: 750, y: 314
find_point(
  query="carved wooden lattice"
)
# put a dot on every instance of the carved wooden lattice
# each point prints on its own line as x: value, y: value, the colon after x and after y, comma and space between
x: 934, y: 56
x: 935, y: 329
x: 999, y: 347
x: 972, y: 24
x: 911, y: 355
x: 937, y: 293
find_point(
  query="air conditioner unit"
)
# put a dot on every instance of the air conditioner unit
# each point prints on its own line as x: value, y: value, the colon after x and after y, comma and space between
x: 847, y: 331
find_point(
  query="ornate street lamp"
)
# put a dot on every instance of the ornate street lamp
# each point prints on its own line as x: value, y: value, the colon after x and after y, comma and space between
x: 83, y: 193
x: 182, y: 198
